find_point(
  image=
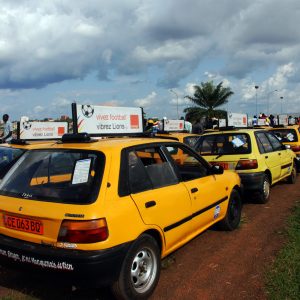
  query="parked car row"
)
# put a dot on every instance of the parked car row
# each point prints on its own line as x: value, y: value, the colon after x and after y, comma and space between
x: 107, y: 210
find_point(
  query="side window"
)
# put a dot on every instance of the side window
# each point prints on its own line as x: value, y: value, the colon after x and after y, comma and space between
x: 188, y: 165
x: 277, y: 146
x: 264, y: 144
x: 148, y: 169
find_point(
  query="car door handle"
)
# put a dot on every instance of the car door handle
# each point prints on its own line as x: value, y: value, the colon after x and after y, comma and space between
x: 150, y: 204
x: 266, y: 156
x: 194, y: 190
x: 279, y: 153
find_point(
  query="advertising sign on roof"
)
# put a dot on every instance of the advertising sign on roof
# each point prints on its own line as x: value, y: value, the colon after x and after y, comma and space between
x: 109, y: 120
x: 42, y: 130
x: 237, y: 120
x: 283, y: 120
x: 173, y: 125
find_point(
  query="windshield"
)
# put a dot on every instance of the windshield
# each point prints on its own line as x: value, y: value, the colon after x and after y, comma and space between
x: 8, y: 156
x: 286, y: 135
x: 221, y: 144
x: 191, y: 140
x: 58, y: 176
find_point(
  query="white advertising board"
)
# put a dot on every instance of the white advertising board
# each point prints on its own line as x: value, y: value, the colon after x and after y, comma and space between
x: 42, y: 130
x: 237, y: 120
x: 173, y: 125
x: 261, y: 122
x: 109, y: 120
x: 222, y: 122
x: 283, y: 119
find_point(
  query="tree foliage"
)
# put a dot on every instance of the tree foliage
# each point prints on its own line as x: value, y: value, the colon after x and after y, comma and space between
x: 207, y: 97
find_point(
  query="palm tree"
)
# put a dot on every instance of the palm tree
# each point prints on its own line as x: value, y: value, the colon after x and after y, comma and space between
x: 207, y: 97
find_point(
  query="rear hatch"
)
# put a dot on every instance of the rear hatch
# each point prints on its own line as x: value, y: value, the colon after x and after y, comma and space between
x: 231, y: 150
x: 44, y: 187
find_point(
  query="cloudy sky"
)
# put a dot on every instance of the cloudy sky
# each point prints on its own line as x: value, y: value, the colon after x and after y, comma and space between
x: 134, y: 52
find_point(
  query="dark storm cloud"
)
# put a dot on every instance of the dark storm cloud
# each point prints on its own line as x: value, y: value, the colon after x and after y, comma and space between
x: 45, y: 42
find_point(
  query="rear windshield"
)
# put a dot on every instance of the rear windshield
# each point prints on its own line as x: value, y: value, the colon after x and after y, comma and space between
x: 191, y: 140
x: 56, y: 176
x: 229, y: 143
x: 286, y: 135
x: 8, y: 156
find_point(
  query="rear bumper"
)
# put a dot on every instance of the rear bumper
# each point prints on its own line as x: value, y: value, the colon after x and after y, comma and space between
x: 99, y: 267
x: 252, y: 181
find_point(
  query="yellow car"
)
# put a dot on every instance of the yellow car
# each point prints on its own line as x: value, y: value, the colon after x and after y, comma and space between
x: 189, y: 139
x: 289, y: 135
x: 256, y: 155
x: 110, y: 209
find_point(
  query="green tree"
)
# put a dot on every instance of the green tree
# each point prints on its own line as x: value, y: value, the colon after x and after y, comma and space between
x: 207, y: 98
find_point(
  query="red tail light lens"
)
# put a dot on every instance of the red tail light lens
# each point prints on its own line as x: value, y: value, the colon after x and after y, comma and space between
x: 247, y: 164
x: 295, y: 148
x: 83, y: 232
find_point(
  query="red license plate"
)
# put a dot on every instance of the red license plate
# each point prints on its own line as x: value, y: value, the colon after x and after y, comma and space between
x: 23, y: 224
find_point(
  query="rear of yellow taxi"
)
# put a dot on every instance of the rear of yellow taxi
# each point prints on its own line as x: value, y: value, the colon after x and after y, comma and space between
x: 90, y: 232
x: 289, y: 135
x: 256, y: 169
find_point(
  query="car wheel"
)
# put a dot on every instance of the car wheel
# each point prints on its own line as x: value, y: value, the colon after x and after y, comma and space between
x: 140, y: 270
x: 264, y: 192
x: 293, y: 176
x: 233, y: 214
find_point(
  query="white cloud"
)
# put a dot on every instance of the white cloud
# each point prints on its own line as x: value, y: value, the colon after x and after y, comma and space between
x: 38, y: 109
x: 147, y: 101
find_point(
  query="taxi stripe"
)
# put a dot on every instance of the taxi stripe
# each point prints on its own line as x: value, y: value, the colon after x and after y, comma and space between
x: 197, y: 213
x: 286, y: 166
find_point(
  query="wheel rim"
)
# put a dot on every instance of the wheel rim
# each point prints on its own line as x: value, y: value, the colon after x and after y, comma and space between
x: 266, y: 189
x: 143, y: 270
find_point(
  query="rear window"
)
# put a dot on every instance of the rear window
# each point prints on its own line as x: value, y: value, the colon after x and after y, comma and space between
x: 58, y: 176
x: 8, y: 156
x: 191, y: 140
x: 221, y: 144
x: 286, y: 135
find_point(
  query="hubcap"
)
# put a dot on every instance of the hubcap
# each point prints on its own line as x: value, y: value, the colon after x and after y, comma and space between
x: 143, y: 270
x: 266, y: 189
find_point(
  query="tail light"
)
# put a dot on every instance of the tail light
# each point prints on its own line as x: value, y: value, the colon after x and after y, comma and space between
x: 247, y: 164
x: 295, y: 148
x: 84, y: 232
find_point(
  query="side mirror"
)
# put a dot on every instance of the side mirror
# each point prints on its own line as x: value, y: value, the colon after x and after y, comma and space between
x: 217, y: 170
x: 287, y: 146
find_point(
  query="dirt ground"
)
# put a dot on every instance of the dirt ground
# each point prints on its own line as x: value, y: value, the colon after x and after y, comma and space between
x: 215, y: 265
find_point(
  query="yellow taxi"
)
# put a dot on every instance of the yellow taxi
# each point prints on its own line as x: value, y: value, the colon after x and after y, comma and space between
x: 187, y: 138
x: 256, y: 155
x: 110, y: 209
x: 289, y: 135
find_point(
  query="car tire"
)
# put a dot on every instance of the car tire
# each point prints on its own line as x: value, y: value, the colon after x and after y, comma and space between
x: 140, y: 271
x: 233, y: 214
x: 264, y: 193
x: 293, y: 176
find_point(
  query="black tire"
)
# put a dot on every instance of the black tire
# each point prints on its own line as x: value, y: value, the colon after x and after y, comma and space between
x: 293, y: 176
x: 140, y: 270
x: 233, y: 214
x: 263, y: 195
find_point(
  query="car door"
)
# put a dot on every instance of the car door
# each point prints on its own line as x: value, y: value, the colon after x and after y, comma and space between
x: 160, y: 197
x: 271, y: 157
x: 286, y: 158
x: 208, y: 192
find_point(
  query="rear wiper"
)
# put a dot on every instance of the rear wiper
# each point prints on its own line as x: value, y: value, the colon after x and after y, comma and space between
x: 219, y: 155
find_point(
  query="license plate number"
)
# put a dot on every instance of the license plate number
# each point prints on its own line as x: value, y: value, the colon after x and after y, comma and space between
x: 23, y: 224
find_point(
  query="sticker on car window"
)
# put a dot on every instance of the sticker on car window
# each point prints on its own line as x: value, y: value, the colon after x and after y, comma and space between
x: 237, y: 142
x: 290, y: 137
x: 81, y: 171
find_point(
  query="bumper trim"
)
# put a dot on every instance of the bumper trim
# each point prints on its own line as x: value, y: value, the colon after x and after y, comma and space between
x: 252, y: 181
